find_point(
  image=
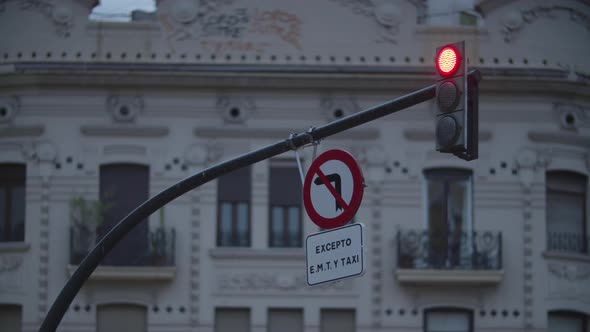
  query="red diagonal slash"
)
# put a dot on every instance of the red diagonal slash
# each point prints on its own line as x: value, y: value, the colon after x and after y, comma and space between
x: 333, y: 191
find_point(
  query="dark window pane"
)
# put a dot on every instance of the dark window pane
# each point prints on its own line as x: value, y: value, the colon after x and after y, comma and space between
x: 566, y: 322
x: 243, y: 227
x: 11, y: 317
x: 341, y: 320
x: 233, y: 197
x: 448, y: 216
x: 294, y: 214
x: 225, y: 224
x: 12, y: 202
x: 277, y: 226
x: 18, y: 213
x: 3, y: 217
x: 566, y: 211
x: 448, y: 321
x: 234, y: 186
x: 284, y: 185
x: 232, y: 320
x: 123, y: 187
x: 285, y: 195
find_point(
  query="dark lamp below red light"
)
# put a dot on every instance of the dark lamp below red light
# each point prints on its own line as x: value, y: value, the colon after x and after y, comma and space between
x: 447, y: 61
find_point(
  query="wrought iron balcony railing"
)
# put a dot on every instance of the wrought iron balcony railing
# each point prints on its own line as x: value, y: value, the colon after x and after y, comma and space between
x: 157, y: 250
x: 424, y: 250
x: 567, y: 242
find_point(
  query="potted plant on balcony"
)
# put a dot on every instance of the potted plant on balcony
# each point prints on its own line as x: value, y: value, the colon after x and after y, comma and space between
x: 85, y: 217
x: 159, y: 243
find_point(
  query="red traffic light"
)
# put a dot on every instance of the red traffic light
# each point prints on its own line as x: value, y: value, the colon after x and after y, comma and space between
x: 447, y: 61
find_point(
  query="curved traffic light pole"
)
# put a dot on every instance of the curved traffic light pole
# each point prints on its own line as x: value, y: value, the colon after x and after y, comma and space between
x: 89, y: 264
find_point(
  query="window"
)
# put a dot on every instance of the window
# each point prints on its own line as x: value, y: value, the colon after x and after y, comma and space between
x: 285, y: 320
x: 449, y: 216
x: 233, y: 209
x: 341, y: 320
x: 12, y: 202
x: 566, y: 211
x: 232, y: 320
x: 10, y: 318
x: 567, y: 321
x: 123, y: 187
x: 448, y: 320
x: 285, y: 206
x: 121, y: 317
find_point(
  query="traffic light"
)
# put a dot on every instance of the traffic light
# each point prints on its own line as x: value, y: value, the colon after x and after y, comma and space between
x: 457, y: 103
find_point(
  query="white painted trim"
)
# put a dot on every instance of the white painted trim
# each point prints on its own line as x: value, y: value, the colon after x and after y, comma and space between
x: 129, y: 273
x: 430, y: 276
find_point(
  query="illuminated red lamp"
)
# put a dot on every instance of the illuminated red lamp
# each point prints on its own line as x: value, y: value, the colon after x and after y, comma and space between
x: 447, y: 61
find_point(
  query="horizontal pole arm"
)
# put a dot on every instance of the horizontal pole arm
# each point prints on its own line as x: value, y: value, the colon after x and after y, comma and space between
x: 89, y: 264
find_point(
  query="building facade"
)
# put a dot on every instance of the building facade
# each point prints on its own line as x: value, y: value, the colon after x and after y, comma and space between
x: 96, y: 117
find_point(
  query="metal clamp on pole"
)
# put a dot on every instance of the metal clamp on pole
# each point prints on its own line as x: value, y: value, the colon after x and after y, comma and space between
x: 297, y: 157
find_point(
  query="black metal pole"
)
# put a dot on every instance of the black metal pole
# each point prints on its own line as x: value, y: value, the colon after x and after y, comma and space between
x: 89, y: 264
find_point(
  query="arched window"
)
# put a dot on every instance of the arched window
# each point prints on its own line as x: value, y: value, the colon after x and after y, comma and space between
x: 567, y: 321
x: 448, y: 320
x: 566, y: 211
x: 12, y: 202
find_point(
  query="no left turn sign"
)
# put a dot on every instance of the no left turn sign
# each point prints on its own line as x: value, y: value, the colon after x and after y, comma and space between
x: 333, y: 189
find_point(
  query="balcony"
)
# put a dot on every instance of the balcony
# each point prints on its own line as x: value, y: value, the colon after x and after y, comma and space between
x: 464, y: 259
x: 152, y: 259
x: 567, y: 242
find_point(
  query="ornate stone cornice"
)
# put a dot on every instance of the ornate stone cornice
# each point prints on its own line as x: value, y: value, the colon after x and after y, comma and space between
x: 514, y: 21
x: 61, y: 15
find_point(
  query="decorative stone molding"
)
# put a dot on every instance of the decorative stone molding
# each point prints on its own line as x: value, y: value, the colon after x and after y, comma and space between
x: 126, y: 131
x: 46, y: 152
x: 184, y: 12
x: 235, y: 109
x: 527, y: 162
x: 60, y: 15
x: 203, y: 154
x: 10, y: 273
x: 570, y: 272
x: 386, y: 14
x: 270, y: 281
x: 124, y: 109
x: 572, y: 116
x: 10, y: 263
x: 514, y: 21
x: 9, y: 107
x: 374, y: 160
x: 338, y: 107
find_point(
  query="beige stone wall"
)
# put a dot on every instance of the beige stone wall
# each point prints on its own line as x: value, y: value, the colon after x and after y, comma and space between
x: 288, y: 65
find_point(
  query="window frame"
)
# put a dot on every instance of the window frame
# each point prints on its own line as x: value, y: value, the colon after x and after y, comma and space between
x: 551, y: 189
x: 469, y: 313
x: 571, y: 314
x: 285, y: 241
x: 448, y: 175
x: 218, y: 310
x: 13, y: 175
x: 234, y: 203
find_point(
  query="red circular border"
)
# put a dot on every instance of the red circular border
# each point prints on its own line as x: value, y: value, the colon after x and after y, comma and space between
x: 357, y: 189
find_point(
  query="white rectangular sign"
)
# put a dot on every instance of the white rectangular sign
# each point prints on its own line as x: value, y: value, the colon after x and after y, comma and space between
x: 335, y: 254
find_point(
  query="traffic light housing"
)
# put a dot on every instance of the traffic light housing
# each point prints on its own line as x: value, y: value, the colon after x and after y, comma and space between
x: 457, y: 103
